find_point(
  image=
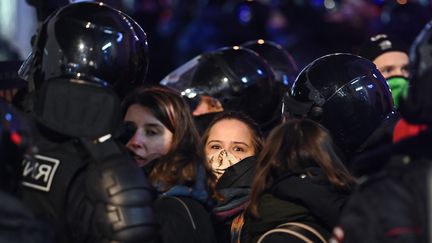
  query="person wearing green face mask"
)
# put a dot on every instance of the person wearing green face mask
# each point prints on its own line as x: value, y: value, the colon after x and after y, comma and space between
x: 390, y: 55
x: 391, y: 58
x: 399, y: 88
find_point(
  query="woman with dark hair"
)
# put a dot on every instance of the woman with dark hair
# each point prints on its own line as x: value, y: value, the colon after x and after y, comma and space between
x: 167, y: 146
x: 231, y: 142
x: 299, y: 178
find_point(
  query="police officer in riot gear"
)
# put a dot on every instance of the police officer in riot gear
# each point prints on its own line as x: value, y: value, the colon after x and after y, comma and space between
x: 238, y: 78
x: 349, y: 96
x: 85, y: 57
x: 394, y: 203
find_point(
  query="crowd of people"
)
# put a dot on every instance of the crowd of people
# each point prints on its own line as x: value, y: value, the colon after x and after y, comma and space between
x: 235, y: 145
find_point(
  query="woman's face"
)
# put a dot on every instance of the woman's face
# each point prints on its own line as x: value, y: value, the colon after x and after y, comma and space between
x: 229, y: 141
x: 151, y: 139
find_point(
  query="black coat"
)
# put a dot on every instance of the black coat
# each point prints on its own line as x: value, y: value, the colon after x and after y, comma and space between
x: 391, y: 205
x: 183, y: 220
x: 297, y: 198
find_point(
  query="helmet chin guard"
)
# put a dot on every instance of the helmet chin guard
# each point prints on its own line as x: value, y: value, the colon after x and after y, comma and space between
x: 76, y: 110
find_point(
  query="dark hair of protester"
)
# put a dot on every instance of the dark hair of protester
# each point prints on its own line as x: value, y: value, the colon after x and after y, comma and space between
x: 257, y: 136
x: 179, y: 165
x: 293, y: 147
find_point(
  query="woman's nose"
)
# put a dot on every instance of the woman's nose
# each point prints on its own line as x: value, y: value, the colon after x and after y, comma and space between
x: 136, y: 141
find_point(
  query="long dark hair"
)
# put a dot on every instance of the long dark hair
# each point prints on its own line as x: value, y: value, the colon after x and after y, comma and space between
x: 292, y: 147
x: 180, y: 164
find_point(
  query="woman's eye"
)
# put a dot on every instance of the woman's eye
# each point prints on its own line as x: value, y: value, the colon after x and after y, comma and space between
x: 238, y: 149
x: 215, y: 146
x: 152, y: 132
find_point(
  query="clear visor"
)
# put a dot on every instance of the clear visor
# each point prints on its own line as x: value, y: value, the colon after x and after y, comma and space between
x: 181, y: 78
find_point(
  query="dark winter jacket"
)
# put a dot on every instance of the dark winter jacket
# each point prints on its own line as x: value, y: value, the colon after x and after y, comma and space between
x: 391, y: 205
x: 183, y: 220
x: 297, y: 198
x: 183, y: 213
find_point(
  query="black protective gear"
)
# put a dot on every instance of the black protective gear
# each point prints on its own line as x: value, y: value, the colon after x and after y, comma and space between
x: 238, y: 77
x: 283, y: 64
x: 345, y: 93
x: 90, y: 42
x: 72, y: 109
x: 111, y: 201
x: 416, y: 108
x: 82, y: 180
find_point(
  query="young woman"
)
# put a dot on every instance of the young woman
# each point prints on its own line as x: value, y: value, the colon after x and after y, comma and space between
x: 167, y: 146
x: 231, y: 142
x: 299, y: 178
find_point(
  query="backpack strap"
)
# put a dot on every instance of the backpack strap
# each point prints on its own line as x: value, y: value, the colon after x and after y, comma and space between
x: 305, y: 227
x: 298, y: 230
x: 186, y: 207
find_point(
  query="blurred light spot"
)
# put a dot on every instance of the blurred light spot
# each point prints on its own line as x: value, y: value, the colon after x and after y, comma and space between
x: 329, y: 4
x: 8, y: 117
x: 107, y: 45
x: 16, y: 138
x: 104, y: 138
x: 245, y: 14
x: 120, y: 37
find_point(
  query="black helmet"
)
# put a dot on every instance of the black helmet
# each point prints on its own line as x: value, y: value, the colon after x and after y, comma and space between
x: 283, y: 64
x: 14, y: 143
x: 345, y: 93
x: 236, y: 76
x: 416, y: 108
x: 91, y: 42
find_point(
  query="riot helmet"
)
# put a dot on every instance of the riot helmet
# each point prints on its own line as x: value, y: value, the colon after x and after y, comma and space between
x: 90, y: 42
x: 416, y: 108
x: 283, y: 64
x: 86, y: 56
x: 345, y: 93
x: 237, y: 77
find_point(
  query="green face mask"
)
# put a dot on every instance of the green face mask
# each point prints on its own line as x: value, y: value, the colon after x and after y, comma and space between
x: 399, y: 88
